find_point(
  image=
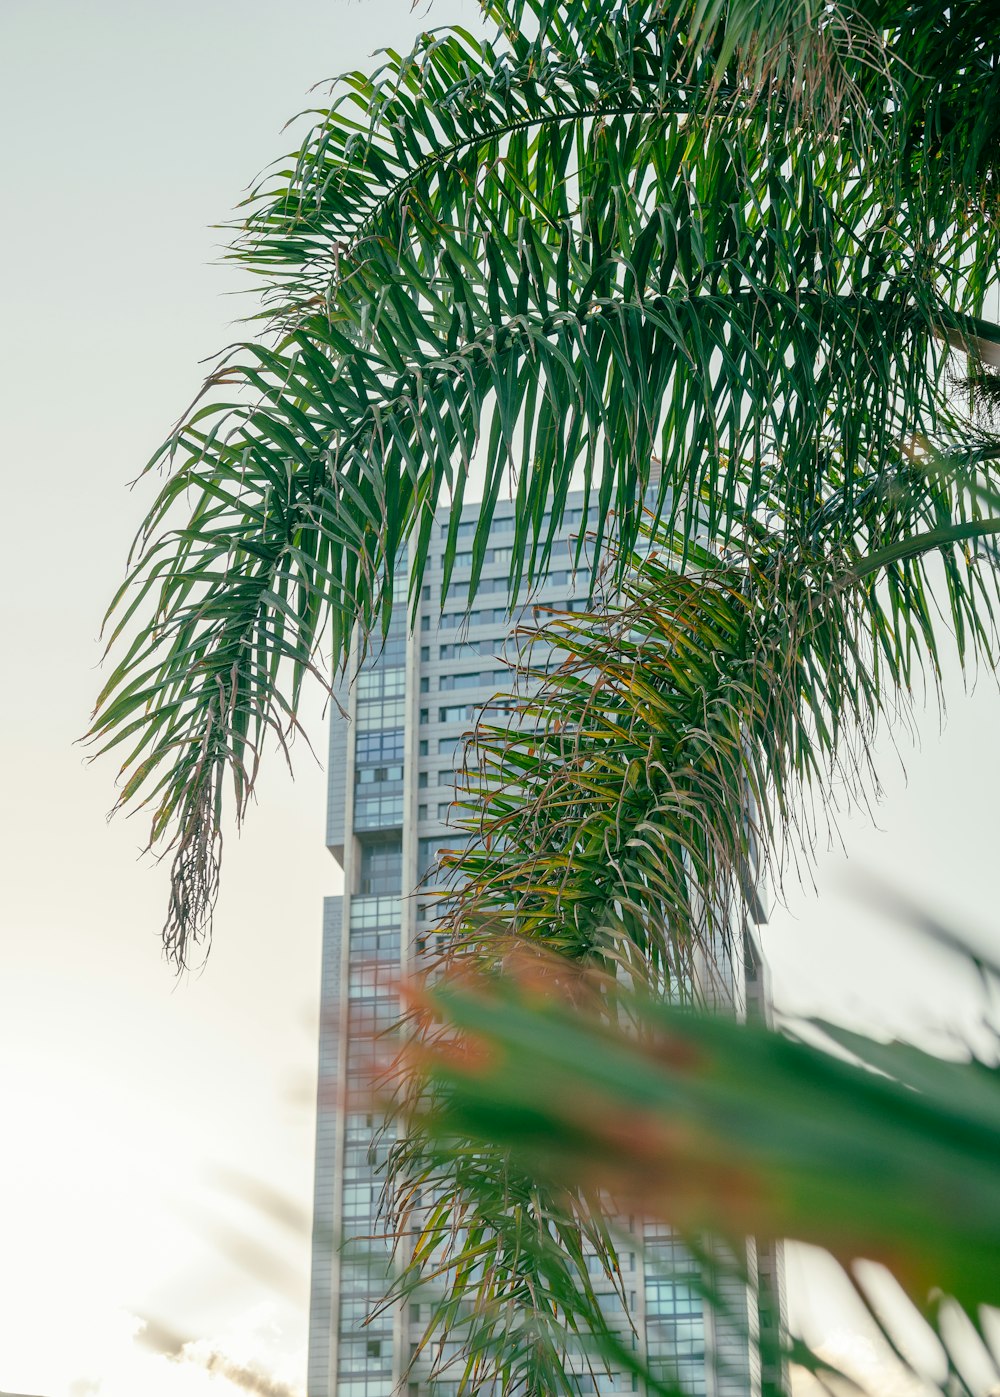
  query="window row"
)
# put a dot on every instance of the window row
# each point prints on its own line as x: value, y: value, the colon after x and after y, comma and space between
x: 363, y: 1347
x: 445, y: 777
x: 446, y: 810
x: 665, y: 1297
x: 482, y: 616
x: 381, y: 868
x: 595, y: 1267
x: 375, y: 912
x: 504, y: 524
x: 434, y: 846
x: 689, y: 1375
x: 605, y: 1383
x: 683, y: 1339
x: 470, y: 712
x: 368, y: 1191
x: 381, y: 945
x: 378, y: 812
x: 381, y: 682
x: 500, y: 524
x: 365, y: 1387
x: 488, y: 585
x: 371, y: 1017
x: 380, y: 713
x: 378, y: 748
x: 371, y: 977
x: 446, y: 747
x: 378, y: 775
x: 501, y: 615
x: 492, y: 555
x: 390, y: 653
x: 473, y: 679
x: 461, y: 649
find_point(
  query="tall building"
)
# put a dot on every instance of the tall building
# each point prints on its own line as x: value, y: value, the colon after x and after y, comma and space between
x: 392, y: 769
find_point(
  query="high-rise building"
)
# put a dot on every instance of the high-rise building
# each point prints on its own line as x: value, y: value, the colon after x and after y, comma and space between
x: 392, y: 772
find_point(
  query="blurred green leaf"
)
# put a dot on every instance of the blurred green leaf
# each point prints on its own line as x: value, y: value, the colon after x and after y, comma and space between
x: 733, y: 1129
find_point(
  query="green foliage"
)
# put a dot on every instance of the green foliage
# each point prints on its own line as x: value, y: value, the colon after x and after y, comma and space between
x: 881, y: 1151
x: 560, y: 250
x: 657, y: 770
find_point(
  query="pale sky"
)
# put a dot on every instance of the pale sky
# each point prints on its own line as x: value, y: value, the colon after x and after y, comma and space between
x: 130, y: 1099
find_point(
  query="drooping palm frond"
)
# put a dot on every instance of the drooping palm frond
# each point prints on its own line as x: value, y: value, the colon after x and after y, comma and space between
x: 658, y: 764
x: 559, y: 252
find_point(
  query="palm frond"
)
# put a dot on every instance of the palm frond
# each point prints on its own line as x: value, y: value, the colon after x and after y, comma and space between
x: 539, y: 252
x: 658, y: 764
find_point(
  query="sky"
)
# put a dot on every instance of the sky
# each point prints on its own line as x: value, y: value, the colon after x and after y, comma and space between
x: 156, y: 1170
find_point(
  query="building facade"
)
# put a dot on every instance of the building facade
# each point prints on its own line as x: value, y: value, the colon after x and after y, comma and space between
x: 392, y: 771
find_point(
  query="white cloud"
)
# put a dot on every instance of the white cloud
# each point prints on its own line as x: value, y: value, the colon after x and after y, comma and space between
x: 108, y: 1355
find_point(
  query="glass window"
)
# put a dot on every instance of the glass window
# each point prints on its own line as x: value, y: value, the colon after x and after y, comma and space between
x: 381, y: 683
x: 381, y: 811
x: 595, y: 1268
x: 460, y: 681
x: 381, y: 944
x: 492, y: 712
x: 473, y: 679
x: 378, y: 775
x: 365, y: 979
x: 375, y: 912
x: 389, y: 652
x: 466, y: 531
x: 459, y: 649
x: 381, y: 867
x: 482, y: 617
x: 502, y: 585
x: 603, y: 1383
x: 431, y: 848
x: 381, y: 713
x: 376, y: 748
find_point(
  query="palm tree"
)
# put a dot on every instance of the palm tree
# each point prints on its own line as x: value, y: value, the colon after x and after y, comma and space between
x: 745, y: 242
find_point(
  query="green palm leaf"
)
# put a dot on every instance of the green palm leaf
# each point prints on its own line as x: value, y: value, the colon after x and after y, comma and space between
x: 556, y: 253
x: 611, y: 815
